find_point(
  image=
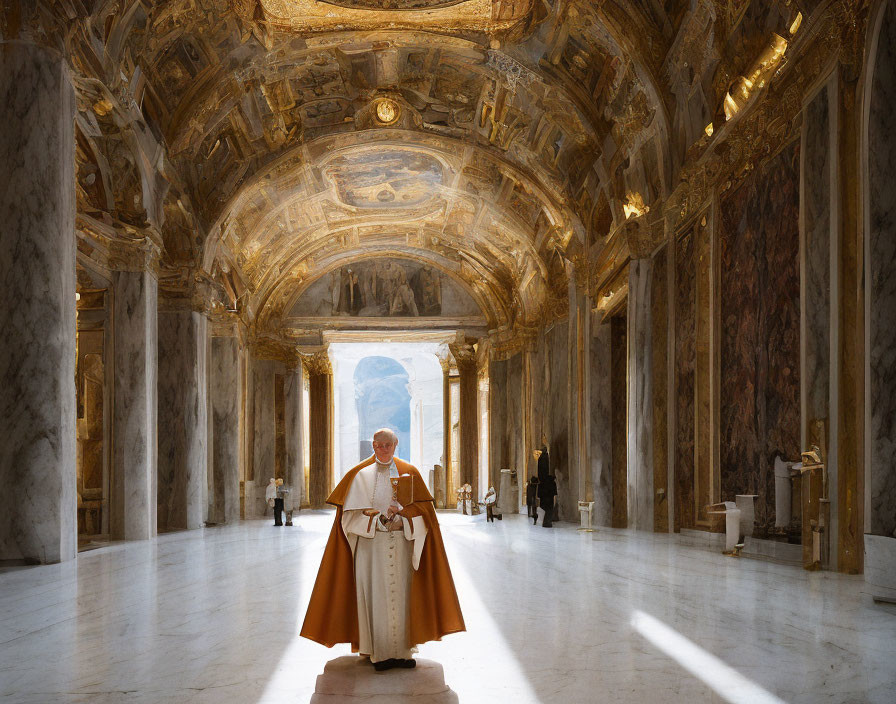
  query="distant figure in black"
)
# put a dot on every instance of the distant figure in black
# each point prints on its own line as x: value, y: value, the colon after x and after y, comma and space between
x: 532, y: 499
x: 547, y: 488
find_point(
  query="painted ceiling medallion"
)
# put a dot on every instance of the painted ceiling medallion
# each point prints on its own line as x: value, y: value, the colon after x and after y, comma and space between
x: 430, y: 15
x: 394, y: 4
x: 387, y: 111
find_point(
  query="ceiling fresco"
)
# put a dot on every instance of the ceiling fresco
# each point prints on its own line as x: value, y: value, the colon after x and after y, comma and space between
x: 489, y: 16
x: 385, y: 178
x: 395, y: 4
x: 385, y: 287
x: 252, y: 147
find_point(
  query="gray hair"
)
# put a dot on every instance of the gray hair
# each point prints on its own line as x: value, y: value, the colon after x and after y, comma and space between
x: 388, y: 432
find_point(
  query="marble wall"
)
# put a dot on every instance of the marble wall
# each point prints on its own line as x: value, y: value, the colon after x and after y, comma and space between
x: 37, y: 268
x: 134, y: 426
x: 760, y: 330
x: 619, y: 420
x: 685, y: 331
x: 601, y: 423
x: 639, y: 458
x: 183, y: 419
x: 224, y: 443
x: 816, y: 304
x: 882, y: 282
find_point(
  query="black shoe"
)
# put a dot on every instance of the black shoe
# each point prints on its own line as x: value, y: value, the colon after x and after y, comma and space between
x: 407, y: 664
x: 385, y: 664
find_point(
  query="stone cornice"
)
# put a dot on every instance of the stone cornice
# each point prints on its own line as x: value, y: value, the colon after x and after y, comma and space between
x: 275, y: 350
x: 224, y: 326
x: 642, y: 236
x: 119, y: 247
x: 505, y: 344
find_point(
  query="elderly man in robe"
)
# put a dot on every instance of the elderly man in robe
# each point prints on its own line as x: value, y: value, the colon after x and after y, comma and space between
x: 384, y: 583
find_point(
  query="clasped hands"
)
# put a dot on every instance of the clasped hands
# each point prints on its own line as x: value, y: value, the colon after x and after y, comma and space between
x: 391, y: 519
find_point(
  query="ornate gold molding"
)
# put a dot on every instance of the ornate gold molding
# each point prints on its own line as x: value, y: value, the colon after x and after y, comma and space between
x: 274, y: 349
x: 722, y: 162
x: 317, y: 363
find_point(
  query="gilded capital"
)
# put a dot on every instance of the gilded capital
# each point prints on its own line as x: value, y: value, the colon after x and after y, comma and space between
x: 464, y: 356
x: 317, y: 363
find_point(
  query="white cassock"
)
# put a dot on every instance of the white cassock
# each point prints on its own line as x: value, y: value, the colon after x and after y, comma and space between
x: 383, y: 563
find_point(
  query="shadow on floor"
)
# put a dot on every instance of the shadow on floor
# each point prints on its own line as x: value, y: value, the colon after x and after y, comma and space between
x: 351, y: 676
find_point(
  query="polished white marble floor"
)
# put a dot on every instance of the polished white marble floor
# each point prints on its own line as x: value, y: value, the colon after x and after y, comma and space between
x: 552, y: 616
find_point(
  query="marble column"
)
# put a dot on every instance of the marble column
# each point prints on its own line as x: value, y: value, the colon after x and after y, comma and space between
x: 320, y: 377
x: 881, y: 310
x: 224, y: 444
x: 264, y: 436
x: 134, y: 425
x: 37, y: 268
x: 580, y: 380
x: 183, y: 419
x: 465, y: 358
x: 850, y: 330
x: 639, y: 485
x: 295, y: 461
x: 601, y: 451
x: 500, y: 432
x: 450, y: 489
x: 818, y: 262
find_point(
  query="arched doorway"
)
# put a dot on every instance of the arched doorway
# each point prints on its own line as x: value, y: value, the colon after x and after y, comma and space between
x: 383, y: 401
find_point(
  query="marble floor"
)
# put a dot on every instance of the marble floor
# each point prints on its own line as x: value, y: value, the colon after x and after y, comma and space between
x: 552, y: 615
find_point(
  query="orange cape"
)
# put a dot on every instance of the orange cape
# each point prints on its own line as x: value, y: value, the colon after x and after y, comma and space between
x: 332, y: 615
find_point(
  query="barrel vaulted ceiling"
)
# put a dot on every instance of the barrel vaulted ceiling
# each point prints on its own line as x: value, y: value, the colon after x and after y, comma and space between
x: 258, y: 144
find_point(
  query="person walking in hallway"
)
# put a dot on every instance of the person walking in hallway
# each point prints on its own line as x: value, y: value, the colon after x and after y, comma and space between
x: 532, y: 499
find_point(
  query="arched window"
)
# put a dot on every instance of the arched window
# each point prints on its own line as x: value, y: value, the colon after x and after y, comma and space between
x: 383, y: 401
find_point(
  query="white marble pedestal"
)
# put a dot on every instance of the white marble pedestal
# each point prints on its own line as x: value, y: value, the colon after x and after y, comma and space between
x: 350, y: 677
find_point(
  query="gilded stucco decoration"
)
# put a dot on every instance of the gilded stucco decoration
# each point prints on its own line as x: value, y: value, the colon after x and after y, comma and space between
x: 258, y: 145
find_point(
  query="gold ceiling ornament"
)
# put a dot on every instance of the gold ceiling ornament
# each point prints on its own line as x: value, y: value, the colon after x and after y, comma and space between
x: 387, y: 111
x: 634, y: 206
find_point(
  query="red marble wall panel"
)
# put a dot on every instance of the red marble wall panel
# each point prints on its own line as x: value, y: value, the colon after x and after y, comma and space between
x: 685, y: 360
x: 760, y: 330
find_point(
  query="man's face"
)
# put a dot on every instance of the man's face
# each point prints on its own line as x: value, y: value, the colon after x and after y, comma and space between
x: 384, y: 448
